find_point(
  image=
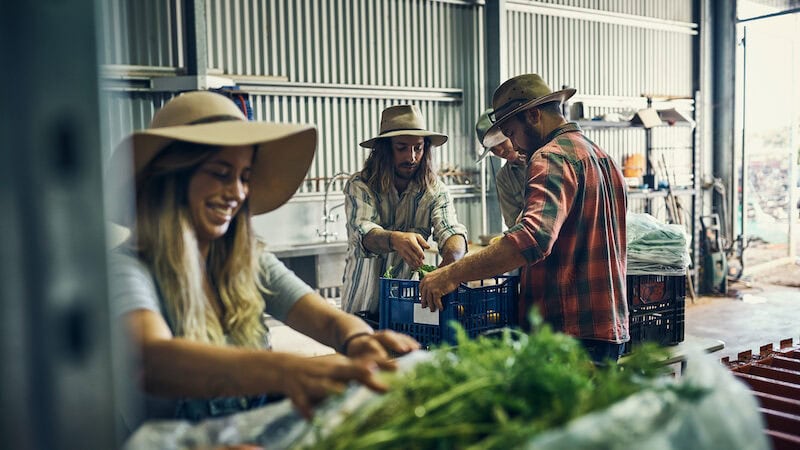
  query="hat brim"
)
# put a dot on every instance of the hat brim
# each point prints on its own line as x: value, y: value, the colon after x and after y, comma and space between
x: 494, y: 132
x: 483, y: 155
x: 489, y: 145
x: 281, y: 162
x: 436, y: 138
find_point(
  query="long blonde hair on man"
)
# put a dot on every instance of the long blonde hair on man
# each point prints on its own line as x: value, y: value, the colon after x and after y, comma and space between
x: 378, y: 170
x: 166, y: 241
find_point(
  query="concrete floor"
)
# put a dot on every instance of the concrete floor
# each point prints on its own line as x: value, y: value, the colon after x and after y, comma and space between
x: 758, y: 314
x: 755, y: 313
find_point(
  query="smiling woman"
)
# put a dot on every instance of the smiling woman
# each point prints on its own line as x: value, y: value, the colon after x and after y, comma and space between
x: 217, y: 191
x: 193, y: 282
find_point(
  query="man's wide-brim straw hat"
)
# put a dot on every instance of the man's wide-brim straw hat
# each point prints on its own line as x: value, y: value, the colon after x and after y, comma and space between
x: 283, y: 151
x: 519, y: 94
x: 481, y: 127
x: 404, y: 120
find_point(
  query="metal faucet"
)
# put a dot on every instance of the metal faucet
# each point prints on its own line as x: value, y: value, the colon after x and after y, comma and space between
x: 327, y: 214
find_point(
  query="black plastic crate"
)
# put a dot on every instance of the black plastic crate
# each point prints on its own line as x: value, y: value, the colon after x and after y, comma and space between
x: 648, y: 292
x: 491, y: 305
x: 657, y: 306
x: 665, y: 327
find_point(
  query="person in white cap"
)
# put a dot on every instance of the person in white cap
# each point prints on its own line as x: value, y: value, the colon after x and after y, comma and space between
x: 393, y: 205
x: 511, y: 177
x: 570, y: 243
x: 192, y: 283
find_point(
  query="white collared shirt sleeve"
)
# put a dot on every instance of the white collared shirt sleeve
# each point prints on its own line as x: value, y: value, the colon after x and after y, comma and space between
x: 443, y: 216
x: 362, y: 213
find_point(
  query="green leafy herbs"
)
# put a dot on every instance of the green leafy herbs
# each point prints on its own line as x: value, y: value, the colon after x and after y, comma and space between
x: 494, y: 393
x: 424, y: 269
x: 421, y: 270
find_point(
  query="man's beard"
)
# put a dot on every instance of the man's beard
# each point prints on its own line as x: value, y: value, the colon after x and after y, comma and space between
x: 535, y: 140
x: 406, y: 175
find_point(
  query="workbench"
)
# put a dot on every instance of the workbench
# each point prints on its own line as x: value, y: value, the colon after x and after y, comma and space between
x: 678, y: 352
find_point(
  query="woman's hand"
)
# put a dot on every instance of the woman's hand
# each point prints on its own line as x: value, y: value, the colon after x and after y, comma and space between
x: 378, y: 347
x: 308, y: 381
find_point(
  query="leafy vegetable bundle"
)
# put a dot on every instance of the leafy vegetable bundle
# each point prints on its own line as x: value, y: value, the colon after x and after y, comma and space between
x: 494, y: 393
x: 421, y: 271
x: 424, y: 269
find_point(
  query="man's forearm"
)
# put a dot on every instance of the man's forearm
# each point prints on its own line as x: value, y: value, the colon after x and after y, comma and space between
x: 378, y: 241
x: 455, y: 247
x: 493, y: 260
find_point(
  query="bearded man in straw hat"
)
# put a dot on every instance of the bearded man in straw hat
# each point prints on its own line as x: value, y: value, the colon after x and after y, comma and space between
x: 511, y: 178
x: 393, y: 206
x: 192, y: 284
x: 570, y: 242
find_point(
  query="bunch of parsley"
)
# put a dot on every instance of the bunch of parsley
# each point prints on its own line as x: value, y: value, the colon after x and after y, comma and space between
x: 494, y: 393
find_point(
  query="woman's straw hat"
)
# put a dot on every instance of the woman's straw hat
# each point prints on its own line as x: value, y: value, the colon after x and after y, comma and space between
x: 283, y: 155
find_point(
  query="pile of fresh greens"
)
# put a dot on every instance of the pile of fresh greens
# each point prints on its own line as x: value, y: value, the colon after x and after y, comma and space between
x: 495, y: 393
x: 424, y: 269
x: 421, y: 271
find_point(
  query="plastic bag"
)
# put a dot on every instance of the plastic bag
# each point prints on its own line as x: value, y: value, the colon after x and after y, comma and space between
x: 655, y: 247
x: 275, y: 426
x: 726, y: 417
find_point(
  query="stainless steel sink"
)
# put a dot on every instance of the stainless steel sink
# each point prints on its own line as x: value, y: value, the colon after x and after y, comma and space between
x: 319, y: 244
x: 308, y: 249
x: 320, y: 264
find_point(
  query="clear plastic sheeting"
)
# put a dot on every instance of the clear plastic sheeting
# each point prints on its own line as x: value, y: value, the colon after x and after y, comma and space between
x: 275, y: 426
x: 726, y: 416
x: 656, y: 248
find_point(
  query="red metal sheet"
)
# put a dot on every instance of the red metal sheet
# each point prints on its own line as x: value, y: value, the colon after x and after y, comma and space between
x: 774, y: 387
x: 778, y: 403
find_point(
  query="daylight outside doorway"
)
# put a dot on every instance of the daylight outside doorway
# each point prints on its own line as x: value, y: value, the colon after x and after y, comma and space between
x: 768, y: 116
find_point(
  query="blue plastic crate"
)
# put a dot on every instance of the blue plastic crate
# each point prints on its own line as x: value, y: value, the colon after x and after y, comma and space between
x: 489, y: 306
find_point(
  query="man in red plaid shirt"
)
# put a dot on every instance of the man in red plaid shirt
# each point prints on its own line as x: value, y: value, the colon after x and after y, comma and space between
x: 570, y: 242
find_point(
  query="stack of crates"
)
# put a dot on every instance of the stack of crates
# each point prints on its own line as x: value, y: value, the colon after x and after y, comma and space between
x: 489, y: 304
x: 657, y: 305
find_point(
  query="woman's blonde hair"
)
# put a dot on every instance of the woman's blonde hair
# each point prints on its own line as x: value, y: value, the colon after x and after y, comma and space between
x: 378, y: 170
x: 166, y: 241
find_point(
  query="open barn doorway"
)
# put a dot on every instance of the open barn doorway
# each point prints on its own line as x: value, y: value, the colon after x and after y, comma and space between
x: 768, y: 131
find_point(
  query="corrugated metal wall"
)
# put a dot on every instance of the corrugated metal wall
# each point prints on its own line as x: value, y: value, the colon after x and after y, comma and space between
x: 338, y: 63
x: 145, y: 33
x: 335, y: 63
x: 676, y: 10
x: 612, y: 52
x: 776, y: 5
x: 401, y: 43
x: 344, y: 122
x: 342, y: 62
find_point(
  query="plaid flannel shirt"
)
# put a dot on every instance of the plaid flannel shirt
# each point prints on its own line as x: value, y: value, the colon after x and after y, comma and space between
x: 572, y: 234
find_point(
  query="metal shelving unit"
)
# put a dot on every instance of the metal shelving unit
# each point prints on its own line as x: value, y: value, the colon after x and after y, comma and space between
x: 672, y: 189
